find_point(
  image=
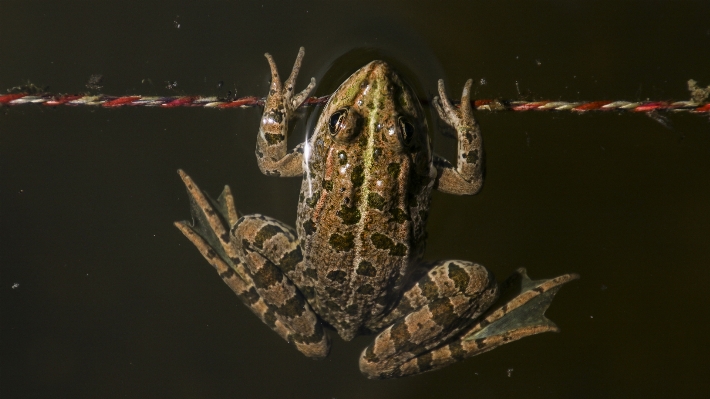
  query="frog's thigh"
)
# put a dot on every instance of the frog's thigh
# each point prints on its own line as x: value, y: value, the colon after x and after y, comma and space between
x: 439, y: 306
x: 269, y: 249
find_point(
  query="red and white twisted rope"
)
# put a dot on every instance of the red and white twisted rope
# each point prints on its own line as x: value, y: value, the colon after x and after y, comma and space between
x: 108, y: 101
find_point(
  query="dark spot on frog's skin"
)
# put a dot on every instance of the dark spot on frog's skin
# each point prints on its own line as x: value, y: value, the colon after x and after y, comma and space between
x: 365, y: 289
x: 328, y: 185
x: 429, y: 289
x: 292, y: 308
x: 399, y: 215
x: 274, y: 138
x: 312, y: 201
x: 480, y: 343
x: 277, y: 116
x: 349, y: 215
x: 270, y: 318
x: 442, y: 312
x: 265, y: 233
x: 250, y: 296
x: 459, y: 276
x: 227, y: 274
x: 301, y: 197
x: 370, y: 355
x: 376, y: 153
x: 399, y: 334
x: 246, y: 244
x: 398, y: 250
x: 457, y: 351
x: 342, y: 243
x: 472, y: 156
x: 424, y: 361
x: 333, y: 292
x: 539, y: 290
x: 311, y: 273
x: 309, y: 227
x: 357, y: 177
x: 469, y: 137
x: 381, y: 241
x: 332, y: 305
x: 337, y: 275
x: 393, y: 170
x: 365, y: 268
x: 376, y: 201
x: 352, y: 310
x: 268, y: 275
x: 342, y: 157
x: 272, y: 91
x: 291, y: 259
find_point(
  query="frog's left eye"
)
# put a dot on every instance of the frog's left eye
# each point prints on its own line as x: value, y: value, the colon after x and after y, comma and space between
x: 335, y: 123
x: 406, y: 130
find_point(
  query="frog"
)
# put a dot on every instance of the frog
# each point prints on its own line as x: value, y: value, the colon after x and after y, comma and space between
x: 354, y: 262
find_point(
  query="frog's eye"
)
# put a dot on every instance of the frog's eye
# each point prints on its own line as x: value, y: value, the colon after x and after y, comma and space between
x: 335, y: 123
x: 406, y: 130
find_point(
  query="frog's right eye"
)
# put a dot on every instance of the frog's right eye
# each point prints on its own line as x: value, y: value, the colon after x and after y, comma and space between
x: 336, y: 121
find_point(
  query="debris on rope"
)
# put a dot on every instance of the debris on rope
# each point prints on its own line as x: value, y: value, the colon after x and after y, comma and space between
x: 697, y: 104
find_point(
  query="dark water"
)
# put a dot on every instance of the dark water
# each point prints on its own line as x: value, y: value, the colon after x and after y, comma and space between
x: 113, y: 302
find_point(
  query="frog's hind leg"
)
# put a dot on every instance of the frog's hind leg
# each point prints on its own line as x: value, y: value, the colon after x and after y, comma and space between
x: 255, y: 278
x: 441, y: 304
x: 510, y: 320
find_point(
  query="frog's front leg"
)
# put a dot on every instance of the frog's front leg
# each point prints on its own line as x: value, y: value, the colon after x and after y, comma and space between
x: 280, y: 104
x: 441, y: 319
x: 467, y: 177
x: 260, y: 260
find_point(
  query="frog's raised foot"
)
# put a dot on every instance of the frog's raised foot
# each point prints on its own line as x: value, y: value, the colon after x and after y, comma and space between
x: 519, y: 313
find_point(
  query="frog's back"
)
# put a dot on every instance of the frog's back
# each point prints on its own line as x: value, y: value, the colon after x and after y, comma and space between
x: 365, y: 197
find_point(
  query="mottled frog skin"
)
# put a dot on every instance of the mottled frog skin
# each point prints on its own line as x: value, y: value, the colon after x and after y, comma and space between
x: 354, y: 262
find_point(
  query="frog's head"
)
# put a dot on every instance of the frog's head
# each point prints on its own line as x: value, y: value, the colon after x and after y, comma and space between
x: 374, y: 108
